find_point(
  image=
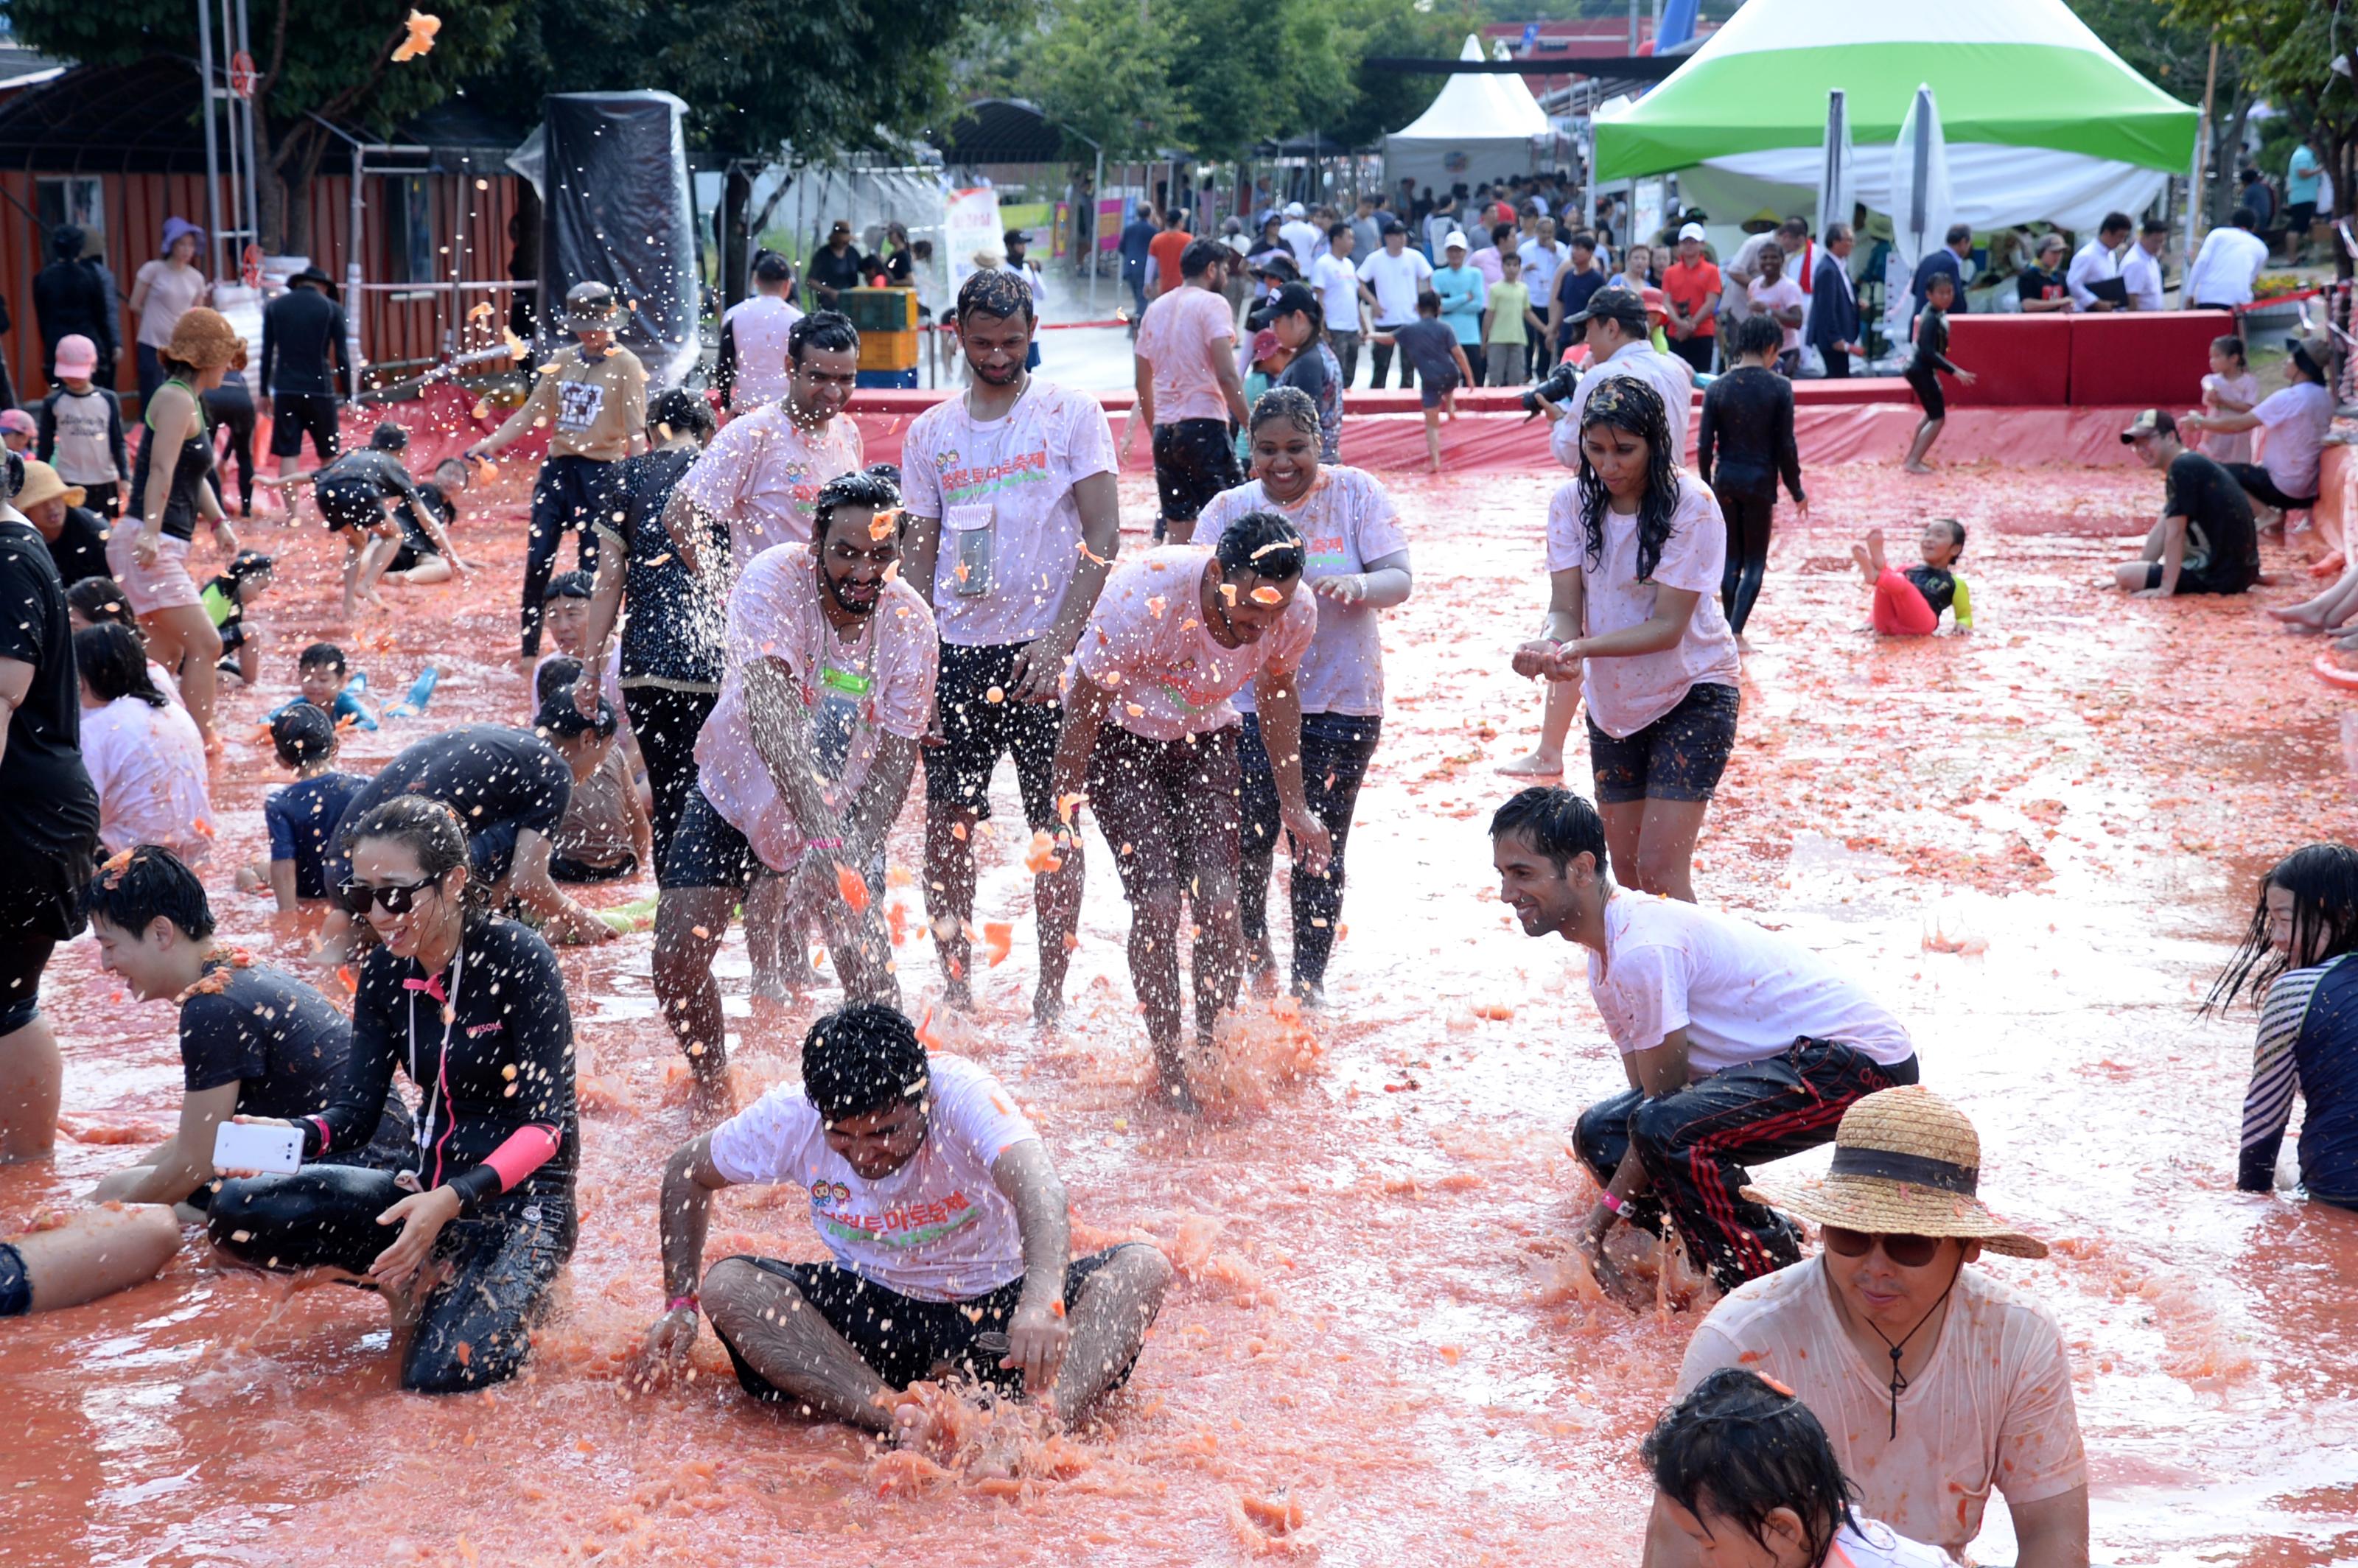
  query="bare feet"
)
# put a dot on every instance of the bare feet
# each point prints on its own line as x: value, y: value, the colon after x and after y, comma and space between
x: 1875, y: 548
x: 1260, y: 968
x: 1171, y: 1080
x: 1047, y: 1005
x: 2302, y: 615
x: 1919, y: 468
x: 1540, y: 765
x: 710, y: 1099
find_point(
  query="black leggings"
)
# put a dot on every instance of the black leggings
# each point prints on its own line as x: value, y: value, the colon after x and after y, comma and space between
x: 667, y: 724
x: 232, y: 411
x: 1750, y: 514
x: 1335, y: 750
x: 475, y: 1328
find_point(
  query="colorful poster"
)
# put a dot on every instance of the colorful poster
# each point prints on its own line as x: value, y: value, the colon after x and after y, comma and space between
x: 971, y: 227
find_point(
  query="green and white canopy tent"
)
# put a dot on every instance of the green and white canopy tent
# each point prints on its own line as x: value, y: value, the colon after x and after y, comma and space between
x: 2042, y: 120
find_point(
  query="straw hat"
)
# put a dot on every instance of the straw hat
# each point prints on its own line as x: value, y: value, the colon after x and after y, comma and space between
x: 42, y: 483
x: 1906, y: 1163
x: 203, y: 339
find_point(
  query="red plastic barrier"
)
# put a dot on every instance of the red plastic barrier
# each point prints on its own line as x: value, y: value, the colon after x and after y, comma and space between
x: 2019, y: 362
x: 2144, y: 358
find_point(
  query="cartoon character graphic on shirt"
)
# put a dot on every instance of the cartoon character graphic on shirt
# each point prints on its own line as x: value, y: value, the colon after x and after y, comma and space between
x: 963, y: 483
x: 577, y: 403
x: 911, y: 1225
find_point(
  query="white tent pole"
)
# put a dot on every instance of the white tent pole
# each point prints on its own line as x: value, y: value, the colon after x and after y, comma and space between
x: 1097, y: 218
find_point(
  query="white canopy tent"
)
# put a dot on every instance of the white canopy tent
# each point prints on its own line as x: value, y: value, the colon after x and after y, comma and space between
x: 1482, y: 126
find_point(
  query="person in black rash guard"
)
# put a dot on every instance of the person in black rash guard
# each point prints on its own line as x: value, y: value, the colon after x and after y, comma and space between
x: 510, y: 787
x: 1747, y: 425
x: 671, y: 639
x: 1923, y: 374
x: 301, y: 330
x: 421, y: 559
x: 254, y: 1041
x: 356, y: 492
x: 470, y: 1237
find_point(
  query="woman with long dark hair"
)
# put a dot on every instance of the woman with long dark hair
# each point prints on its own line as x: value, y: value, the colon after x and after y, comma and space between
x: 2293, y: 961
x: 1747, y: 428
x: 143, y: 754
x: 467, y: 1242
x: 1636, y: 550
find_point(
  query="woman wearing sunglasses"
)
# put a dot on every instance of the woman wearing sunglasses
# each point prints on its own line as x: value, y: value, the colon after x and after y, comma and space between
x: 1937, y: 1383
x: 466, y: 1243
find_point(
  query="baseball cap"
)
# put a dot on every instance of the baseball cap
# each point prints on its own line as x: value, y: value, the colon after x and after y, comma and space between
x: 77, y: 355
x: 2152, y: 421
x: 1621, y: 305
x: 1691, y: 232
x: 17, y: 420
x: 1653, y: 298
x: 1293, y: 208
x: 1294, y: 297
x: 1455, y: 242
x: 1264, y: 344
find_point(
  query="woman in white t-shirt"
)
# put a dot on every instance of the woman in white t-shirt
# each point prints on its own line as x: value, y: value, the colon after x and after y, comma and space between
x: 1747, y: 1475
x: 162, y: 291
x: 1635, y: 550
x: 1357, y: 565
x: 144, y: 755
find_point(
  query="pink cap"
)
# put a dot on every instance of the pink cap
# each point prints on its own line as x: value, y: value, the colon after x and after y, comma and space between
x: 1265, y: 343
x: 1653, y: 298
x: 19, y: 422
x: 77, y: 355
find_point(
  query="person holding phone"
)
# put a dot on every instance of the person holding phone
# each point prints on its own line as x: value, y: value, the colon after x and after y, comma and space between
x: 253, y: 1039
x: 466, y: 1242
x: 950, y: 1237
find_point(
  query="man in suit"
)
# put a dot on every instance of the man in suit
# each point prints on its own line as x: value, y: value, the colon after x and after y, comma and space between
x: 1834, y: 304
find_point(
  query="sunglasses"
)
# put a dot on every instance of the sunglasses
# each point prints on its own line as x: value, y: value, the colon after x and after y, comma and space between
x: 1907, y: 1252
x: 397, y: 898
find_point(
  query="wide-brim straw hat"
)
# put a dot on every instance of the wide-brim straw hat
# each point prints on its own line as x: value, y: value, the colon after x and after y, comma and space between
x: 1907, y: 1163
x: 43, y: 482
x: 203, y: 338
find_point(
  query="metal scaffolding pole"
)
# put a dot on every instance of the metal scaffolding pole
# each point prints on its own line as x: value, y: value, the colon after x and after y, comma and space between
x: 245, y: 111
x: 212, y: 141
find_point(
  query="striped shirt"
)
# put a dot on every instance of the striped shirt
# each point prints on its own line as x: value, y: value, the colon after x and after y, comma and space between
x: 2307, y: 1044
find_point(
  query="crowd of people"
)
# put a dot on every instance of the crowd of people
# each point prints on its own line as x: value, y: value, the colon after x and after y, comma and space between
x: 766, y: 638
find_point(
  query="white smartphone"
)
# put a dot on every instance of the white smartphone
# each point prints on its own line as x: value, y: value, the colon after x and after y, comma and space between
x: 243, y: 1146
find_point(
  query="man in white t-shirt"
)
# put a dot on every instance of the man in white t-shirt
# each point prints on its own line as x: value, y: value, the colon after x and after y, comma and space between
x: 1542, y: 259
x: 1151, y: 737
x: 1615, y: 330
x: 759, y: 478
x: 950, y: 1240
x: 753, y: 369
x: 1189, y: 390
x: 826, y: 687
x: 1013, y: 521
x: 2141, y: 268
x: 2227, y: 266
x: 1739, y: 1045
x: 1337, y: 278
x: 1394, y: 276
x: 1936, y: 1383
x: 1300, y: 234
x: 1780, y: 299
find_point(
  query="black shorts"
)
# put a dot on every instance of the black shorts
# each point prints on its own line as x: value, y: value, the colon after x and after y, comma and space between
x: 2260, y: 486
x: 293, y: 413
x: 561, y: 869
x: 1927, y: 388
x: 1433, y: 391
x: 2192, y: 581
x: 707, y: 852
x: 24, y: 954
x: 980, y: 731
x: 1679, y: 756
x: 1194, y: 459
x: 349, y: 503
x: 15, y: 1285
x: 232, y: 634
x: 902, y: 1338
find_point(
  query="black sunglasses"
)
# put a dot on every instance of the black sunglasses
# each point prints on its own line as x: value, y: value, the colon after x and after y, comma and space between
x: 397, y: 897
x: 1907, y: 1252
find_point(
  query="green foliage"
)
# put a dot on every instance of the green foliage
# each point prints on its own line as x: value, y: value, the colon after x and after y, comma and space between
x: 1106, y: 70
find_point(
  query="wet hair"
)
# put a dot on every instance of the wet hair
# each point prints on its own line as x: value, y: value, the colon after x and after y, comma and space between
x: 114, y: 662
x: 572, y: 585
x: 101, y: 599
x: 1738, y: 1448
x: 388, y: 438
x: 889, y: 472
x: 2230, y: 345
x: 1956, y: 532
x: 2323, y: 882
x: 862, y: 1058
x: 432, y: 831
x: 1558, y: 823
x: 860, y: 490
x: 772, y: 268
x: 830, y: 329
x: 1626, y: 403
x: 1290, y: 404
x: 248, y: 563
x: 559, y: 719
x: 680, y: 411
x: 1757, y: 335
x: 1260, y: 543
x: 1001, y: 296
x: 132, y: 890
x: 303, y: 734
x: 321, y: 656
x: 1197, y: 258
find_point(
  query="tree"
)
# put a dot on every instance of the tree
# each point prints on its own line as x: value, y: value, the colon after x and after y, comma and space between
x: 2173, y: 51
x: 2289, y: 47
x: 1105, y: 70
x: 335, y: 61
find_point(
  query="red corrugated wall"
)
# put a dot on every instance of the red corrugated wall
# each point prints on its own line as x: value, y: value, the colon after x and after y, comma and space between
x: 470, y: 227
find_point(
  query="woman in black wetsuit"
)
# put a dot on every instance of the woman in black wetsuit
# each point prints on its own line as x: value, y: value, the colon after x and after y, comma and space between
x: 472, y: 1009
x: 1747, y: 424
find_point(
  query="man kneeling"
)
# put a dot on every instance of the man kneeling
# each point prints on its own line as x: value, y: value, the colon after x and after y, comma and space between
x: 949, y: 1232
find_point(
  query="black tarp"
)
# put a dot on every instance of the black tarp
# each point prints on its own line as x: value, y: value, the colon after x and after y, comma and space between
x: 617, y: 207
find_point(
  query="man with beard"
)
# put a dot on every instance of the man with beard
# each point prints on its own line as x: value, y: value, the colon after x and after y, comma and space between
x: 1014, y: 520
x: 828, y: 687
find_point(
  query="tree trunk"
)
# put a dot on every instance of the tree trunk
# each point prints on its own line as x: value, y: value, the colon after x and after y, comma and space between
x: 735, y: 242
x: 2226, y: 161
